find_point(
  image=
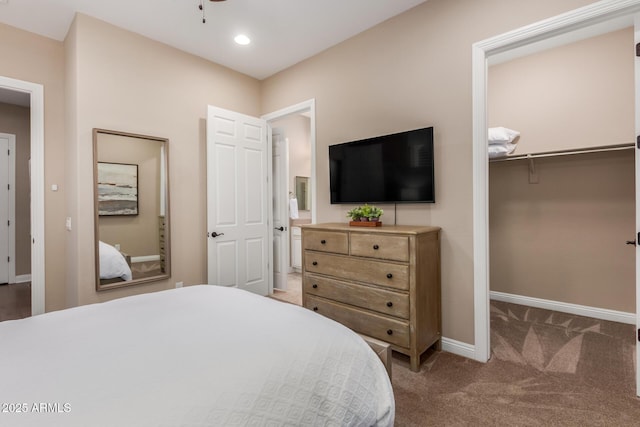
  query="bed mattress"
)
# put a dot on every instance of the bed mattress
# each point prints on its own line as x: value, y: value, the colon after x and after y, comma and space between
x: 196, y: 356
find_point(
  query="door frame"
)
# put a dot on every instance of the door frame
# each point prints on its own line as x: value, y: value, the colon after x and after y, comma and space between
x: 11, y: 203
x: 588, y: 21
x: 302, y: 107
x: 36, y: 166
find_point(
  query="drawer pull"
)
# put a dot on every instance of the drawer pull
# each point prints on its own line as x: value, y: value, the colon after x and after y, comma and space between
x: 376, y: 247
x: 324, y: 242
x: 389, y: 332
x: 314, y: 286
x: 315, y: 263
x: 389, y: 304
x: 315, y: 308
x: 389, y: 276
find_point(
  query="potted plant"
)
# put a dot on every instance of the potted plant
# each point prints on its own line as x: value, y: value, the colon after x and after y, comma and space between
x: 375, y: 213
x: 365, y: 213
x: 355, y: 214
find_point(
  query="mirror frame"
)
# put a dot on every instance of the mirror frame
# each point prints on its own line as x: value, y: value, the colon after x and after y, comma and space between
x: 167, y: 234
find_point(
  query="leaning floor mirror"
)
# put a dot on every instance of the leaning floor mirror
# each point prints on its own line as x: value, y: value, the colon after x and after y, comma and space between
x: 131, y: 209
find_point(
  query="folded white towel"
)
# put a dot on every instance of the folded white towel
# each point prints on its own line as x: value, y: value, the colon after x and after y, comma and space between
x: 500, y: 150
x: 502, y: 135
x: 293, y: 208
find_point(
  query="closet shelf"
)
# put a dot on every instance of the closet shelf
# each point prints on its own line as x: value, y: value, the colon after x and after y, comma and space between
x: 566, y: 152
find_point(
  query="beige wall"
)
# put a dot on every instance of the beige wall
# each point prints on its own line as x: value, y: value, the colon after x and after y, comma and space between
x: 563, y: 239
x: 412, y: 71
x: 129, y: 83
x: 36, y: 59
x: 574, y: 96
x: 15, y: 120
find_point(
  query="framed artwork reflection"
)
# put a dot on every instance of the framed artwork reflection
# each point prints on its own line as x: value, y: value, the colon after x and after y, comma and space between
x: 117, y: 189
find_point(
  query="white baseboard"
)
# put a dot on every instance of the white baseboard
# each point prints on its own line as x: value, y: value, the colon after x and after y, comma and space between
x: 459, y: 348
x: 468, y: 350
x: 23, y: 278
x: 564, y: 307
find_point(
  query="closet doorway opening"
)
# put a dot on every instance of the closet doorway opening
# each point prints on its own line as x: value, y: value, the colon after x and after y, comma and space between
x: 561, y: 207
x: 294, y: 164
x: 22, y: 106
x: 596, y: 19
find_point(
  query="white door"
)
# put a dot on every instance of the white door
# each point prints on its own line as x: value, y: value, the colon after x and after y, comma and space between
x: 637, y: 125
x: 280, y: 210
x: 238, y: 201
x: 4, y: 209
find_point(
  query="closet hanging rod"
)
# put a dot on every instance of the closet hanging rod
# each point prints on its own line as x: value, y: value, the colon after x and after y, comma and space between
x: 599, y: 149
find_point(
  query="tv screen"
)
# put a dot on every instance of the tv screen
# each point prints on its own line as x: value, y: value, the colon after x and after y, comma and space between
x: 395, y: 168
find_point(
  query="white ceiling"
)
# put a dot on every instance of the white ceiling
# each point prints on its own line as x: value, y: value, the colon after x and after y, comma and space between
x: 283, y: 32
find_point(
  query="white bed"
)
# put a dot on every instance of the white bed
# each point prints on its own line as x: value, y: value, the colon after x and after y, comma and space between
x: 196, y: 356
x: 112, y: 263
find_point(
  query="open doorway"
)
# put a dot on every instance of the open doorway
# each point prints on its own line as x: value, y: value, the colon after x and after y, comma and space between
x: 31, y: 94
x: 588, y: 21
x: 294, y: 133
x: 562, y: 204
x: 15, y: 246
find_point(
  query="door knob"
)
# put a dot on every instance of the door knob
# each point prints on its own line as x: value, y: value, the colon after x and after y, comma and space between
x: 281, y: 228
x: 631, y: 242
x: 214, y: 234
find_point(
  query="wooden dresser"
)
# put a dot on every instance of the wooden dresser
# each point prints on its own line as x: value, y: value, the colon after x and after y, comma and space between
x: 383, y: 282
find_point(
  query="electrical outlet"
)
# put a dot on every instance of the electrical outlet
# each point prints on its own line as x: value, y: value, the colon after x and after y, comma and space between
x: 179, y: 285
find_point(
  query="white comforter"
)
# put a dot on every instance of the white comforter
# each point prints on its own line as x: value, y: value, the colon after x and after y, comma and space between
x: 112, y: 263
x: 196, y: 356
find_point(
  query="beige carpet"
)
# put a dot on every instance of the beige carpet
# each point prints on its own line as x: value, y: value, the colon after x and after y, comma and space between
x: 141, y: 270
x: 547, y: 369
x: 293, y: 294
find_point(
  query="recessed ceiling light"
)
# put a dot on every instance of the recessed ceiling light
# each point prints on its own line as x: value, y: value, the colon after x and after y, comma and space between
x: 242, y: 39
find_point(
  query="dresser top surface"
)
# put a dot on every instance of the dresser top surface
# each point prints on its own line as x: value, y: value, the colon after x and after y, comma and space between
x: 339, y: 226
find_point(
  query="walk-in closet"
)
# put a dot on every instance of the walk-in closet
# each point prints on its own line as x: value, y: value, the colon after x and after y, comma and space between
x: 562, y: 202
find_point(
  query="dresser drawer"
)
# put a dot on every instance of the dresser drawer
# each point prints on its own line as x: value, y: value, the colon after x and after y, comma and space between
x: 395, y: 248
x: 363, y: 270
x: 376, y: 326
x: 387, y: 302
x: 327, y: 241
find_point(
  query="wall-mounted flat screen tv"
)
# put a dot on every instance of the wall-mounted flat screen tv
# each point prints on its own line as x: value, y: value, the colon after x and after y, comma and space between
x: 395, y: 168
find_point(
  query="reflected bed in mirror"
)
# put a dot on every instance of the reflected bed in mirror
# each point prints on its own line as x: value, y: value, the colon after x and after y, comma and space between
x: 131, y: 209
